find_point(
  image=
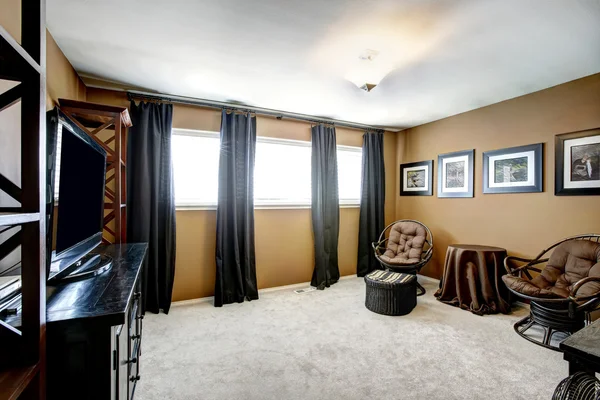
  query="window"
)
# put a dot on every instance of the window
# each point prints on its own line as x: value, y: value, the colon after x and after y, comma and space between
x: 282, y: 171
x: 195, y: 167
x: 349, y: 161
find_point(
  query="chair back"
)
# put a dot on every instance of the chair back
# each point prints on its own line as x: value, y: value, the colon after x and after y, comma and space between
x: 571, y: 261
x: 408, y: 239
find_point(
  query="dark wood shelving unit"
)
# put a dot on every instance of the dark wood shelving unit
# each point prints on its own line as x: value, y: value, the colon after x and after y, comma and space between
x: 23, y: 349
x: 17, y: 218
x: 107, y: 125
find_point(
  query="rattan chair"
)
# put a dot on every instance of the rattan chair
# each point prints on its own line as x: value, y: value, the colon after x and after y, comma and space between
x: 564, y: 292
x: 407, y: 248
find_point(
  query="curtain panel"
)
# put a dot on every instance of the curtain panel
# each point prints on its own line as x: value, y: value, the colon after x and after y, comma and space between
x: 150, y: 200
x: 235, y: 259
x: 325, y: 206
x: 372, y: 202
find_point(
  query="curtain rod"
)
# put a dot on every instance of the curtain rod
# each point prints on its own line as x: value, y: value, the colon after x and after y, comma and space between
x: 135, y: 94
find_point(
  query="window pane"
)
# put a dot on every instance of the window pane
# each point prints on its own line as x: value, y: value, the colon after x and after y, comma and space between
x: 282, y: 173
x: 195, y: 169
x: 349, y: 174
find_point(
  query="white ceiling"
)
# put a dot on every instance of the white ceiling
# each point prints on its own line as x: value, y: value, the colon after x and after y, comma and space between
x: 437, y: 57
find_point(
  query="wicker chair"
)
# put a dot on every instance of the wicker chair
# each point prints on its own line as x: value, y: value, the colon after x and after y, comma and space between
x: 564, y: 293
x: 408, y: 247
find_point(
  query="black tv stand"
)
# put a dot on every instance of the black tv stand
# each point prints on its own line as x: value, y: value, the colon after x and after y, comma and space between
x: 88, y: 266
x: 94, y: 330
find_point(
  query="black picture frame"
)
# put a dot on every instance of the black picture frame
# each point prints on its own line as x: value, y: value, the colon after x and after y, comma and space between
x: 537, y: 183
x: 561, y: 182
x: 442, y: 191
x: 428, y: 189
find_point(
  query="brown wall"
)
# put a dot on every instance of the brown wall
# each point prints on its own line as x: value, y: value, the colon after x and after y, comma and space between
x: 522, y: 223
x: 62, y: 82
x: 279, y: 233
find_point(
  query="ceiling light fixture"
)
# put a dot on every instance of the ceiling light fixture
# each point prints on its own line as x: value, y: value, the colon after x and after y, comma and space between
x: 365, y: 69
x: 367, y: 87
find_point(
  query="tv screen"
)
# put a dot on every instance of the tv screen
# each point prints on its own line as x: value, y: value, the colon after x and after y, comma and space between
x: 77, y: 172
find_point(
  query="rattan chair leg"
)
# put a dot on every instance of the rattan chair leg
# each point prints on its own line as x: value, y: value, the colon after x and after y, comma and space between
x: 420, y: 290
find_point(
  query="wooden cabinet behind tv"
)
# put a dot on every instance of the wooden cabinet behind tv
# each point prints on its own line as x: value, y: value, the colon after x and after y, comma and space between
x: 95, y: 331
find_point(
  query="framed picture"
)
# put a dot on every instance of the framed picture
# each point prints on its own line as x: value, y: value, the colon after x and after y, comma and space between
x: 415, y: 178
x: 513, y: 170
x: 455, y: 174
x: 577, y: 163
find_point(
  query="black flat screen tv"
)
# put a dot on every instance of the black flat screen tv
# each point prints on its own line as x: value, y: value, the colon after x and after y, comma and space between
x: 75, y: 205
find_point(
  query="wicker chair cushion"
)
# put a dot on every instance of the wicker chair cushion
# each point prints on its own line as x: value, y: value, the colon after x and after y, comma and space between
x: 570, y: 262
x: 405, y: 244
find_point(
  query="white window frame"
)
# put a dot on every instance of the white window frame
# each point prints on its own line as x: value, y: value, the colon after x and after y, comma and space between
x: 345, y: 203
x: 350, y: 203
x: 266, y: 204
x: 195, y: 133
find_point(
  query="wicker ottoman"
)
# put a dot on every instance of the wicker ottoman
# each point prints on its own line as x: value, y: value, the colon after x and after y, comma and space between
x: 391, y: 293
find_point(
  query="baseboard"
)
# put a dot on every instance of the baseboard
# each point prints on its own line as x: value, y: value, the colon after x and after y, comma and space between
x: 265, y: 290
x: 192, y: 301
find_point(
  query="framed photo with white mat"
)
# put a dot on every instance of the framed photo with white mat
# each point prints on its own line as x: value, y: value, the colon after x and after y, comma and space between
x: 416, y: 178
x: 513, y: 170
x: 455, y: 174
x: 577, y: 167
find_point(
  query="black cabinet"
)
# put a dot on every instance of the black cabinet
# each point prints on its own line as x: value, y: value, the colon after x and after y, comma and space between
x: 94, y: 335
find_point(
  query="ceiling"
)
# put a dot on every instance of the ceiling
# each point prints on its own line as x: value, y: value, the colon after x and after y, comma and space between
x: 435, y: 58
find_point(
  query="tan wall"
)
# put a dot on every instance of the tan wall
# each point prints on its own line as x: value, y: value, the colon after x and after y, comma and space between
x: 522, y: 223
x: 279, y: 233
x: 62, y: 82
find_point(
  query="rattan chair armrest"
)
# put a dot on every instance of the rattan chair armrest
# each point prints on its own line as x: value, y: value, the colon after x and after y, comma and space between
x: 427, y: 253
x: 377, y: 246
x: 514, y: 258
x: 523, y: 268
x: 579, y: 284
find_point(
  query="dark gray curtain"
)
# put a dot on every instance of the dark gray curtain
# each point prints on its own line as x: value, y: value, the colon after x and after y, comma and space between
x: 150, y: 200
x: 325, y: 206
x: 372, y: 202
x: 236, y: 268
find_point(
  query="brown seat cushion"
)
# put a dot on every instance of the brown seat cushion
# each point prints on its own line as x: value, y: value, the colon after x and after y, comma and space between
x: 405, y: 244
x: 570, y: 262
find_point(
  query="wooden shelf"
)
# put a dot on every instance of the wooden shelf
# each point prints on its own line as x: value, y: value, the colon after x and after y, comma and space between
x: 14, y: 381
x: 111, y: 160
x: 23, y: 351
x: 110, y: 206
x: 7, y: 218
x: 19, y: 50
x: 100, y: 110
x: 11, y: 97
x: 112, y: 122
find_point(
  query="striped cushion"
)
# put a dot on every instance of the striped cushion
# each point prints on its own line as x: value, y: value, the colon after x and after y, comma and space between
x: 389, y: 277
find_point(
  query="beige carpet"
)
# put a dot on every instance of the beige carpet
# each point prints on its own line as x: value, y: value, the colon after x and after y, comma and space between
x: 327, y: 345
